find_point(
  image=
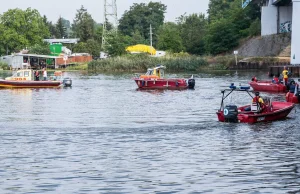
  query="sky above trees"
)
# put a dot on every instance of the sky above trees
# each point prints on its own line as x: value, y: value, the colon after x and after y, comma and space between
x: 67, y: 9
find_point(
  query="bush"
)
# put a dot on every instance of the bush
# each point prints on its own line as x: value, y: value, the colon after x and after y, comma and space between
x: 141, y: 62
x: 4, y: 66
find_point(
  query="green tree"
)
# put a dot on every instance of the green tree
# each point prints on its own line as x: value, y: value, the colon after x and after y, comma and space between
x: 51, y: 27
x: 83, y: 25
x: 169, y: 38
x: 139, y: 18
x: 22, y: 29
x: 41, y: 49
x: 98, y: 34
x: 91, y: 46
x: 137, y: 38
x: 61, y: 29
x: 221, y: 37
x: 192, y: 30
x: 118, y: 44
x: 218, y: 9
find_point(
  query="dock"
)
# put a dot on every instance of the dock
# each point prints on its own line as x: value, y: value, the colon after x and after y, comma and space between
x: 274, y: 68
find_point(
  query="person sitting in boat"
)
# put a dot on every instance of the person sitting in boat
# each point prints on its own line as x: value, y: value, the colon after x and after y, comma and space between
x: 254, y: 79
x: 293, y: 85
x: 275, y: 80
x: 259, y: 102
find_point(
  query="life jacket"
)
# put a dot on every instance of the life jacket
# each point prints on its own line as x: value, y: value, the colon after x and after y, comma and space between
x: 256, y: 99
x: 37, y: 73
x: 285, y: 73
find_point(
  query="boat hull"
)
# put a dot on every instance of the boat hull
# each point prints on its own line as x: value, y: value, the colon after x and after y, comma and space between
x: 291, y: 97
x: 279, y: 111
x: 29, y: 84
x: 173, y: 84
x: 267, y: 86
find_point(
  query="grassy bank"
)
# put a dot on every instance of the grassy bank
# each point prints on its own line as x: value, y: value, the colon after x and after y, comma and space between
x: 134, y: 63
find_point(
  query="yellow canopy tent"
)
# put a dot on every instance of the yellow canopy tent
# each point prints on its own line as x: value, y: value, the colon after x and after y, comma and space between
x: 141, y: 48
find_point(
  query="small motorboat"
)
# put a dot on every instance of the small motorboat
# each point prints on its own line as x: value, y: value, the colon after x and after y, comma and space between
x: 252, y: 113
x: 154, y: 79
x: 24, y: 78
x: 268, y: 86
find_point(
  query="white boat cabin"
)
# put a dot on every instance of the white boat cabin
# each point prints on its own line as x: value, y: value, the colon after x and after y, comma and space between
x: 22, y: 75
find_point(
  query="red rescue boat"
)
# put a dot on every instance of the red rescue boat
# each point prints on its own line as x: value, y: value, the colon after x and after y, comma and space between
x: 154, y: 79
x: 267, y: 86
x: 252, y: 113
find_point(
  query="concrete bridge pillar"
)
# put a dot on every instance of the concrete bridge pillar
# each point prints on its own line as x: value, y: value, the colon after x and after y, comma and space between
x: 295, y: 52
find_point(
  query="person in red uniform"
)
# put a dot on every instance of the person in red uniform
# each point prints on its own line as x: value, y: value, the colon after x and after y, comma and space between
x: 257, y: 99
x: 275, y: 80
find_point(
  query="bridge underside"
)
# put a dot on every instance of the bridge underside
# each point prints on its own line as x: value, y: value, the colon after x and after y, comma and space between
x: 282, y: 2
x: 266, y: 2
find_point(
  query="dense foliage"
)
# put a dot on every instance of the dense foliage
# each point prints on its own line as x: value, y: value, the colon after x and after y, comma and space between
x: 218, y: 32
x: 20, y: 29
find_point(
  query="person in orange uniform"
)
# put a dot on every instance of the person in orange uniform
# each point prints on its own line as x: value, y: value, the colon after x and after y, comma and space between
x: 285, y: 73
x: 260, y: 101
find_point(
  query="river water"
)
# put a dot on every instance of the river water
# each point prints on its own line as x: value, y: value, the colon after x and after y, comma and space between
x: 105, y: 136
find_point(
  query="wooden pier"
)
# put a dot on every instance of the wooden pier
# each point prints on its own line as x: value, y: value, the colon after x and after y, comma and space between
x: 275, y: 68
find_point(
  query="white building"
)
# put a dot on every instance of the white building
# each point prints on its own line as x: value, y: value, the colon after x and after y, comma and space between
x: 281, y: 16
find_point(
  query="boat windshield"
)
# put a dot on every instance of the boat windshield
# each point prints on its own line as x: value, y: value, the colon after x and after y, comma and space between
x: 18, y: 74
x: 149, y: 72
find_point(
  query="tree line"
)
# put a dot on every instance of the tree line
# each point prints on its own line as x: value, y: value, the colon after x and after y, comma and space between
x: 218, y: 32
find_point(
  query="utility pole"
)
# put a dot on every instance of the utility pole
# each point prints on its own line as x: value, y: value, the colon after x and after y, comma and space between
x: 151, y: 39
x: 110, y: 17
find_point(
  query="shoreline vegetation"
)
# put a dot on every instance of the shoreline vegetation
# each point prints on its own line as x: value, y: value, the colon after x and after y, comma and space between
x: 180, y: 62
x: 141, y: 62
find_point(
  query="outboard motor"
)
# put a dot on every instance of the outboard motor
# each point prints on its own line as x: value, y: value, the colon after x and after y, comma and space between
x: 67, y: 82
x: 231, y: 113
x: 191, y: 82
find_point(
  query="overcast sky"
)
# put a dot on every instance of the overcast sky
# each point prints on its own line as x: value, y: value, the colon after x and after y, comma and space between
x: 67, y: 8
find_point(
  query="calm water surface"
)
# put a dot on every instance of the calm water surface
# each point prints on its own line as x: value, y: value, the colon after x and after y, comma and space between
x: 104, y: 136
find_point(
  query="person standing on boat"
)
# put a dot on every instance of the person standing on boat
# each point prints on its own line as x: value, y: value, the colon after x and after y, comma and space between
x: 45, y: 74
x: 37, y: 75
x: 285, y: 73
x: 259, y: 101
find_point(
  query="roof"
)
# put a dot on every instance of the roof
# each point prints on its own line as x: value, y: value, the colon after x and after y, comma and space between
x: 35, y: 55
x: 66, y: 41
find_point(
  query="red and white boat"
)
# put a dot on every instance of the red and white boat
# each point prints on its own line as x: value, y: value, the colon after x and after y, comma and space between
x: 267, y: 86
x: 154, y: 79
x: 252, y: 113
x: 24, y: 78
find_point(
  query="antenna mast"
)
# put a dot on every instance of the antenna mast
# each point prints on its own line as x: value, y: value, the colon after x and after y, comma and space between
x: 110, y: 18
